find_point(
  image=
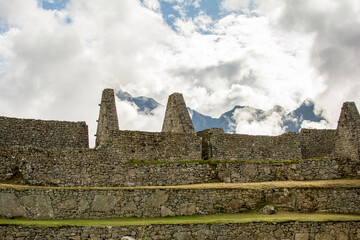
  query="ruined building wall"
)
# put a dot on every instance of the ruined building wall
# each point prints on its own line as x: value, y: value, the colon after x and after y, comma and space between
x: 347, y: 143
x: 310, y: 143
x: 317, y: 143
x: 155, y: 146
x: 177, y: 143
x: 240, y: 146
x: 40, y: 133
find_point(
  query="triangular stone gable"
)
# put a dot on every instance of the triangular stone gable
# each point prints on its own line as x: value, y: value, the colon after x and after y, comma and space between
x: 108, y: 119
x: 347, y: 142
x: 177, y: 118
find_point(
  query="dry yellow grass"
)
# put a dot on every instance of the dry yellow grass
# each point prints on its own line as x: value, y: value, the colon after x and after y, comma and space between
x: 341, y: 183
x: 196, y: 219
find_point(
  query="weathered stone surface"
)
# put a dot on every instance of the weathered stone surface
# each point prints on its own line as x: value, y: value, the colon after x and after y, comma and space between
x: 166, y: 212
x: 10, y: 206
x: 177, y: 118
x: 188, y: 209
x: 158, y: 198
x: 70, y: 204
x: 302, y: 236
x: 108, y: 119
x: 41, y: 133
x: 89, y: 167
x: 130, y: 207
x: 238, y: 231
x: 348, y: 132
x: 104, y: 203
x: 182, y: 235
x: 60, y: 162
x: 267, y: 209
x: 38, y: 205
x: 143, y: 202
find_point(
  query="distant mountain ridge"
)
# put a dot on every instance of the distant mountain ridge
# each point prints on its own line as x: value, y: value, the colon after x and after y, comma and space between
x: 291, y: 121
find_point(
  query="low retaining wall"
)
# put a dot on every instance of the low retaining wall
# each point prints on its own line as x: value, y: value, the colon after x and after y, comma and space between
x: 324, y: 169
x: 239, y: 231
x: 156, y: 202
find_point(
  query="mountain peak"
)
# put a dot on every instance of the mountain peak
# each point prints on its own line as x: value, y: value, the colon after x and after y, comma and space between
x: 145, y: 105
x: 290, y: 121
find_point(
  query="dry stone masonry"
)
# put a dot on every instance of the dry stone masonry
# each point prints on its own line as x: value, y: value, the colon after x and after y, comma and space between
x: 78, y: 180
x: 57, y: 154
x: 238, y: 231
x: 164, y: 202
x: 177, y: 118
x: 44, y: 134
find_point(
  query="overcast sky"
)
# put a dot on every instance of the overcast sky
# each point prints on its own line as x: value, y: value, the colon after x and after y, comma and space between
x: 57, y: 56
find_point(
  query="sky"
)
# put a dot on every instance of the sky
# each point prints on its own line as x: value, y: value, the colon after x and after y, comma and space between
x: 57, y: 56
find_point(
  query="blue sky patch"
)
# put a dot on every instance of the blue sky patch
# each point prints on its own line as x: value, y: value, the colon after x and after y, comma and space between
x: 53, y: 4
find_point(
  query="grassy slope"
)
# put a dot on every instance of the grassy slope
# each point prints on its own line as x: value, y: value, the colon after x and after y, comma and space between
x: 197, y: 219
x: 340, y: 183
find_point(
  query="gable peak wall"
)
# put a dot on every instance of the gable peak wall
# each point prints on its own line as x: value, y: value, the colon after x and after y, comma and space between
x: 177, y: 118
x: 108, y: 119
x: 347, y: 142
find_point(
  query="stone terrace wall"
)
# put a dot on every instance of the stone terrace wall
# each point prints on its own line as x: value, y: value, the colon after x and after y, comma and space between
x: 145, y: 202
x: 40, y: 133
x: 240, y: 231
x: 155, y: 146
x: 240, y: 146
x: 317, y: 143
x: 328, y: 168
x: 94, y: 167
x: 98, y: 167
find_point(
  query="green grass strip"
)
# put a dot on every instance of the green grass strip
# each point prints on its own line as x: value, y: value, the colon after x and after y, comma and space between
x: 218, y: 161
x: 196, y: 219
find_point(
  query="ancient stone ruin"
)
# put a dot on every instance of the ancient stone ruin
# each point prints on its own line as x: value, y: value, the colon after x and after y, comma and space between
x: 48, y: 171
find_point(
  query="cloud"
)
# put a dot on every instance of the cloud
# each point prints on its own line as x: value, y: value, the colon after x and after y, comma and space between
x: 251, y: 121
x: 323, y: 124
x: 335, y: 53
x: 56, y: 70
x: 55, y: 63
x: 130, y: 119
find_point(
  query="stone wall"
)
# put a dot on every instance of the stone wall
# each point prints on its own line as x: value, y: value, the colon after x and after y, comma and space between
x: 327, y: 168
x: 40, y: 133
x: 347, y: 230
x: 155, y: 146
x: 240, y: 146
x: 317, y: 142
x: 99, y: 167
x: 310, y: 143
x: 62, y: 203
x: 94, y: 167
